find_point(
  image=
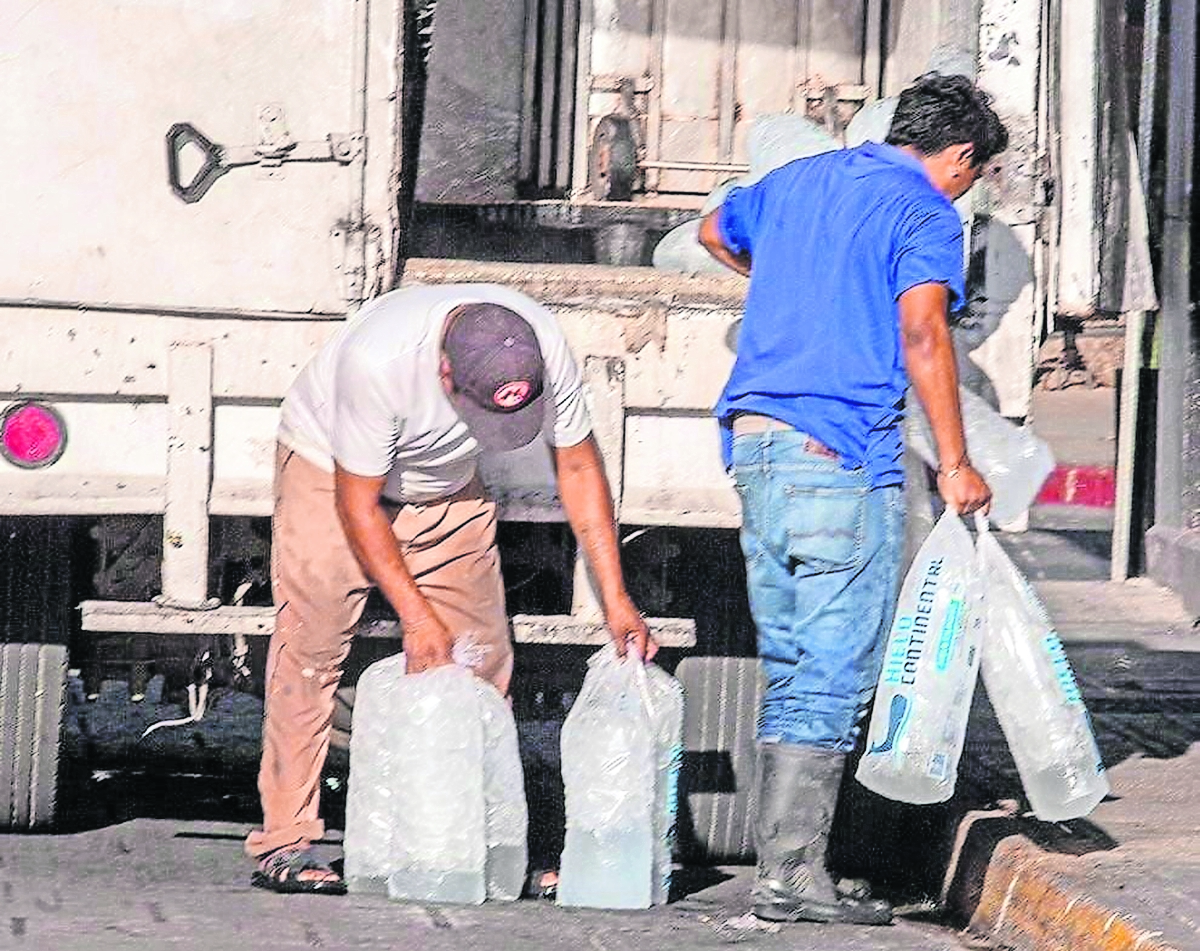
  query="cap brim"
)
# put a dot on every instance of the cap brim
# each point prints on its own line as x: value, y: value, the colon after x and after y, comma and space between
x: 501, y: 432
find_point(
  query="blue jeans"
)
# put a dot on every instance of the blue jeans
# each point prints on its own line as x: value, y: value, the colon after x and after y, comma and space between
x: 822, y: 551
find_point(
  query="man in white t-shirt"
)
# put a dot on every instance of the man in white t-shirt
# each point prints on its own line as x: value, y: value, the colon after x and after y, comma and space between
x: 376, y: 485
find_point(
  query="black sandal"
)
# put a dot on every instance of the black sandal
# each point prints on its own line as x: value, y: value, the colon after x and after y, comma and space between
x: 279, y: 871
x: 535, y: 888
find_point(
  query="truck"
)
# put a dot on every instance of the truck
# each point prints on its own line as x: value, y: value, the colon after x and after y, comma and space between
x: 198, y: 194
x: 207, y: 192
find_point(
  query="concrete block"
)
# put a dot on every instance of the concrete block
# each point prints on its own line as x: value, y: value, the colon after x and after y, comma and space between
x: 1103, y: 355
x: 1173, y: 560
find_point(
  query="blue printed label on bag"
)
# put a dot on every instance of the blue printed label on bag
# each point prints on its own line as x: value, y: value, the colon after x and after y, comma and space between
x: 952, y: 626
x: 897, y: 720
x: 1062, y: 668
x: 911, y: 631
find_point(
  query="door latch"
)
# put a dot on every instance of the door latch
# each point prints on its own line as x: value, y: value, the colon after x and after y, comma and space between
x: 275, y: 146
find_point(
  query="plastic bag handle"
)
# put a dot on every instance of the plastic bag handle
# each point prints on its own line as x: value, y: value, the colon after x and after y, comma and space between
x: 608, y: 655
x: 643, y: 681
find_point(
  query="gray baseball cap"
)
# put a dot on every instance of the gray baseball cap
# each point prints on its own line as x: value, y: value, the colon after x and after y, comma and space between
x: 498, y: 375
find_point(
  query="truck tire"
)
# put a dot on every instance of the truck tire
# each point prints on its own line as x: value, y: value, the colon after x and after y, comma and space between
x: 32, y: 694
x: 35, y: 626
x: 716, y: 802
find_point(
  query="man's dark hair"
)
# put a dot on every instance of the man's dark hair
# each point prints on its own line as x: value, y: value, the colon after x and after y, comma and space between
x: 938, y: 111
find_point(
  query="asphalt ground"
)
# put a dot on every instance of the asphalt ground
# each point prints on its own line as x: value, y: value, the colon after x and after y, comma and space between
x: 1128, y: 875
x: 167, y: 884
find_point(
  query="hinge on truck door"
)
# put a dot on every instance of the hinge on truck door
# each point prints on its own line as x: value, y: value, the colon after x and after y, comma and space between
x: 275, y: 146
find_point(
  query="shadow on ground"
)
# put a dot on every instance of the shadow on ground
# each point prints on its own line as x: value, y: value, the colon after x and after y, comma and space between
x: 1142, y: 703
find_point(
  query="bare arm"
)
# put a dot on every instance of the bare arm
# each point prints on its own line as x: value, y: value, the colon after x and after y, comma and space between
x: 586, y: 497
x: 710, y: 237
x: 427, y: 641
x: 929, y: 355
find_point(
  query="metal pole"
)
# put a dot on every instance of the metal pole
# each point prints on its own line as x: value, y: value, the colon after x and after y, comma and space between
x: 732, y: 167
x: 1135, y: 321
x: 1147, y: 96
x: 1176, y: 341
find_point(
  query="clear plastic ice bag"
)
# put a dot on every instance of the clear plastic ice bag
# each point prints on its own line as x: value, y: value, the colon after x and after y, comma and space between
x: 621, y: 753
x: 435, y: 809
x: 1034, y: 693
x: 1013, y: 459
x: 930, y: 665
x: 773, y: 141
x: 680, y: 250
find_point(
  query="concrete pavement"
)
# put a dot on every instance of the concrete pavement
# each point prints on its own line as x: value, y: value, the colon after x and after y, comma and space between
x: 1126, y: 878
x: 152, y: 884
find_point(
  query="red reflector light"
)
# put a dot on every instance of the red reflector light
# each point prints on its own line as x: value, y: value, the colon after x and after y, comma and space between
x: 32, y: 435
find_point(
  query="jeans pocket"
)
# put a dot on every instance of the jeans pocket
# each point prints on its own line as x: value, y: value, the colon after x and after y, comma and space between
x: 826, y: 527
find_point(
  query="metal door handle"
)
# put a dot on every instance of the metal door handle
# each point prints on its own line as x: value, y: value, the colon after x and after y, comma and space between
x: 179, y: 137
x: 276, y: 147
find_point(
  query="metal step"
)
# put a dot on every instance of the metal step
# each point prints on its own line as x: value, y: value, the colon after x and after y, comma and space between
x: 147, y: 617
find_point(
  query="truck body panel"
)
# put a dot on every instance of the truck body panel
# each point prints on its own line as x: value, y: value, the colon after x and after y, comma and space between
x: 93, y: 89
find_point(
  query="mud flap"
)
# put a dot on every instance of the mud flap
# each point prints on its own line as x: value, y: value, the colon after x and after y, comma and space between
x: 716, y: 802
x: 32, y: 695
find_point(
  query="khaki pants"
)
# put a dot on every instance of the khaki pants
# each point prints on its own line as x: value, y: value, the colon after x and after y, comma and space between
x: 450, y: 548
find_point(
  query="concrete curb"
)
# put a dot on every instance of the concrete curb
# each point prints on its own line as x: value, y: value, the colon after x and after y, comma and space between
x: 1028, y: 903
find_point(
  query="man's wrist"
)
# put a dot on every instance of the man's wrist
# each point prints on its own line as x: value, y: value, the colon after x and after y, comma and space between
x: 416, y: 614
x: 952, y: 469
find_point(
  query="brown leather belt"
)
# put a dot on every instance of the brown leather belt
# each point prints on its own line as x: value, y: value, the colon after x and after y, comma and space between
x: 744, y: 423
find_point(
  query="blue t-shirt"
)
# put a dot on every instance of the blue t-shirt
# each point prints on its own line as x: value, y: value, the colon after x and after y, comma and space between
x: 834, y: 240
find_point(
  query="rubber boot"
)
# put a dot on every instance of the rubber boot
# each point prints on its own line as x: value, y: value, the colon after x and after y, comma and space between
x: 797, y: 792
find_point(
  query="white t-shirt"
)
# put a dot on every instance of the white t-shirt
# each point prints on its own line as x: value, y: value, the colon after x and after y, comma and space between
x: 372, y: 397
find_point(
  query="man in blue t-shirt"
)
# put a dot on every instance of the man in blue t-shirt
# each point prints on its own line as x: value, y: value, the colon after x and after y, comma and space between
x: 855, y: 259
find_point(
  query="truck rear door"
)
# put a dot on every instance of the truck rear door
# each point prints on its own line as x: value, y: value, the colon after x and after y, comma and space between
x: 99, y: 102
